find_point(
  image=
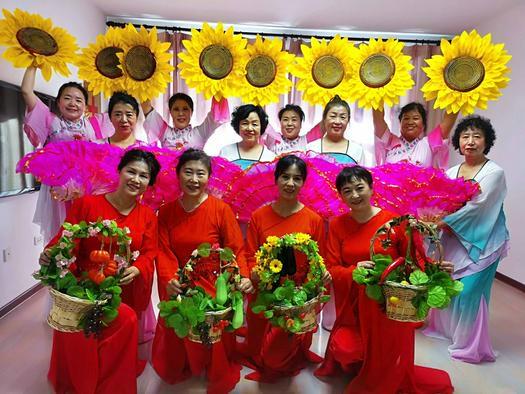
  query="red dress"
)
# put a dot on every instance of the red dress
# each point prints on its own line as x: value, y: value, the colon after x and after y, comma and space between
x: 272, y: 352
x: 364, y: 342
x: 108, y: 364
x: 180, y: 233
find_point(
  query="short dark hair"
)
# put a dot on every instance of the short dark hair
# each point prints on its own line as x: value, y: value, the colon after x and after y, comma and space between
x: 415, y: 106
x: 194, y: 154
x: 244, y: 111
x: 334, y: 102
x: 180, y: 96
x: 286, y: 162
x: 75, y: 85
x: 122, y: 97
x: 145, y: 156
x: 475, y: 122
x: 352, y: 174
x: 292, y: 107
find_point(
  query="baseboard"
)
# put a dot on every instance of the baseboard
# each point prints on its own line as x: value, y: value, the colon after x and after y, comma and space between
x: 18, y: 300
x: 512, y: 282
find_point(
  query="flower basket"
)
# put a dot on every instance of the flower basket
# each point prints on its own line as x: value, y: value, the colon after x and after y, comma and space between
x: 86, y: 298
x: 286, y: 305
x: 197, y: 315
x: 408, y: 286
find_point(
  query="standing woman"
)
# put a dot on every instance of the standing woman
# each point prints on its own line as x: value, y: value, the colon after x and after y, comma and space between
x: 43, y: 126
x: 376, y: 351
x: 250, y: 122
x: 272, y: 352
x: 336, y: 117
x: 291, y: 118
x: 413, y: 146
x: 123, y: 111
x: 475, y: 238
x: 184, y: 224
x: 109, y: 364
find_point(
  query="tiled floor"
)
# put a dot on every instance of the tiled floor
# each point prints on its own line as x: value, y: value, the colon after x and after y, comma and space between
x: 26, y: 342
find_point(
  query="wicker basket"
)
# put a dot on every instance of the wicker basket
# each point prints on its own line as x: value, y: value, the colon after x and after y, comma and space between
x: 402, y: 310
x: 66, y: 311
x: 310, y: 309
x: 211, y: 319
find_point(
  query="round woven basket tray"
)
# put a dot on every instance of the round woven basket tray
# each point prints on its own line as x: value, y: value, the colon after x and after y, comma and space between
x: 66, y: 311
x: 310, y: 308
x: 402, y: 310
x: 211, y: 319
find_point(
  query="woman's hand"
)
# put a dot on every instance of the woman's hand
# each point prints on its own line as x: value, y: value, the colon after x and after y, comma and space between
x: 327, y: 278
x: 246, y: 286
x: 45, y: 257
x: 446, y: 266
x: 174, y: 287
x: 366, y: 264
x: 129, y: 274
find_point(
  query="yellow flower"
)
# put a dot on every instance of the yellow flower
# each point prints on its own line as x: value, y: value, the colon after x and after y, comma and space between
x: 266, y: 72
x: 324, y: 70
x: 302, y: 238
x: 469, y: 72
x: 381, y: 73
x: 272, y: 240
x: 214, y: 61
x: 309, y: 276
x: 145, y: 63
x: 34, y: 41
x: 276, y: 266
x: 98, y: 63
x: 258, y: 256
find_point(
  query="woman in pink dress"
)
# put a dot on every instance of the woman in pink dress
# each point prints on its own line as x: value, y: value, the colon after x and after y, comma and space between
x: 413, y: 145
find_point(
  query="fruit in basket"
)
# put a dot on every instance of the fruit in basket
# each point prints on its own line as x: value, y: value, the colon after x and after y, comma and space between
x: 99, y: 256
x: 110, y: 268
x: 96, y: 276
x: 405, y: 283
x: 394, y: 300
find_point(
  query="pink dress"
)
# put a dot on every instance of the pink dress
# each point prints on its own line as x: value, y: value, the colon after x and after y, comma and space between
x: 430, y: 151
x: 43, y: 127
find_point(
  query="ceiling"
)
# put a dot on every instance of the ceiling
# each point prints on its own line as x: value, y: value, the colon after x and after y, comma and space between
x: 404, y: 16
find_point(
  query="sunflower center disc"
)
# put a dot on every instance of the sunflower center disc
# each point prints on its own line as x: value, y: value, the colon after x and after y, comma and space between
x: 140, y: 63
x: 260, y: 71
x: 107, y: 62
x: 464, y: 73
x: 377, y: 70
x: 328, y: 71
x: 37, y: 41
x: 216, y: 61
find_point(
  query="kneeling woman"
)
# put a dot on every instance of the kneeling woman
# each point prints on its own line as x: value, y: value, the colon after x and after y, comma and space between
x: 272, y: 352
x: 109, y: 364
x: 363, y: 340
x: 184, y: 224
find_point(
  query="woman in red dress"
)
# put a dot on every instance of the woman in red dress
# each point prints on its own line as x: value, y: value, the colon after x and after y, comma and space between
x: 184, y: 224
x: 109, y: 364
x: 377, y: 352
x: 272, y: 352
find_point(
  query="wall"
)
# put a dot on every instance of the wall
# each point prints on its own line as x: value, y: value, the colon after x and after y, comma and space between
x: 17, y: 233
x: 506, y: 117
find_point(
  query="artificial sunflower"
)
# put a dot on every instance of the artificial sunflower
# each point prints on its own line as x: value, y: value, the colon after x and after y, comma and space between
x: 145, y: 62
x: 324, y: 70
x: 214, y: 61
x: 381, y: 73
x: 469, y: 72
x: 98, y: 63
x: 266, y: 72
x: 276, y: 266
x: 34, y: 41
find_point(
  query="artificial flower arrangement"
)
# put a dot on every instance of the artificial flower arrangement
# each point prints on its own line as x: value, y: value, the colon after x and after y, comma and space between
x: 285, y: 304
x: 86, y: 298
x: 412, y: 284
x: 199, y: 314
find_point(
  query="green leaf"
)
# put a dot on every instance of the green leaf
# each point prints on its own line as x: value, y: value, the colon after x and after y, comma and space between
x: 108, y: 282
x: 325, y: 298
x: 258, y: 308
x: 374, y: 292
x: 422, y: 310
x: 117, y: 290
x: 359, y: 275
x: 90, y: 295
x: 299, y: 297
x: 115, y: 301
x: 418, y: 278
x: 76, y: 291
x: 226, y: 254
x: 268, y: 314
x: 437, y: 297
x: 110, y: 314
x: 204, y: 249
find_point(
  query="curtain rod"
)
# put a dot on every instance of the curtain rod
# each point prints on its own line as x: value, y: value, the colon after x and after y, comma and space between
x: 282, y: 35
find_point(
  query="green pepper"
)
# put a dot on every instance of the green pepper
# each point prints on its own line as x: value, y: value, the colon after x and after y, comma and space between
x: 221, y: 295
x: 238, y: 315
